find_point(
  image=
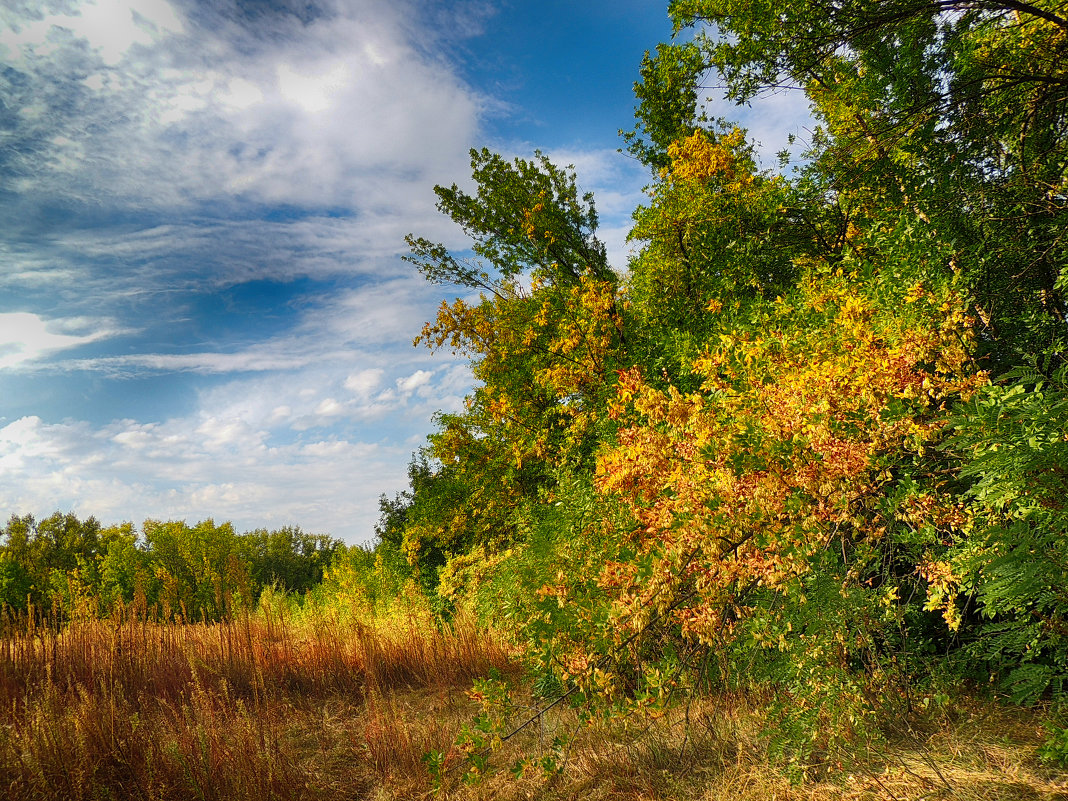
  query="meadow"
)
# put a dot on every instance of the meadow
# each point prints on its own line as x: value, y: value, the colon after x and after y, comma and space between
x: 320, y: 703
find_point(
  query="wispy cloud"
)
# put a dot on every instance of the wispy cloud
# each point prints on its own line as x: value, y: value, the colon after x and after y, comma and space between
x: 156, y: 153
x: 147, y: 104
x: 771, y: 120
x: 26, y: 338
x: 158, y: 156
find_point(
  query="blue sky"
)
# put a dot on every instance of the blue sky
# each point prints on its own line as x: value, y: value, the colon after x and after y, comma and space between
x: 203, y: 312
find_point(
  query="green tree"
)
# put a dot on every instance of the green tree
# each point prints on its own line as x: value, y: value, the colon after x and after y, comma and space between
x: 1013, y: 566
x: 16, y: 583
x: 125, y: 568
x: 197, y: 566
x: 772, y: 455
x: 526, y: 218
x: 543, y: 337
x: 44, y: 555
x: 288, y: 558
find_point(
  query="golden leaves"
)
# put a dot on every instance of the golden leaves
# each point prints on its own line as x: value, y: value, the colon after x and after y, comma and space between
x: 699, y: 159
x: 740, y: 484
x: 583, y: 332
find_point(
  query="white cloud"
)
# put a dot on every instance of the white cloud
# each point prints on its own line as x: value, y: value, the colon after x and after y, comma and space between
x: 256, y: 359
x: 770, y: 119
x: 219, y: 433
x: 27, y: 337
x: 414, y: 382
x: 364, y: 382
x: 190, y: 125
x: 179, y: 470
x: 329, y: 407
x: 109, y: 28
x: 240, y: 94
x: 346, y: 110
x: 313, y: 93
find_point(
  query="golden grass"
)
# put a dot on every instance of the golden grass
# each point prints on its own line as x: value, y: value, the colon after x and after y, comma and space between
x: 259, y: 708
x: 345, y: 707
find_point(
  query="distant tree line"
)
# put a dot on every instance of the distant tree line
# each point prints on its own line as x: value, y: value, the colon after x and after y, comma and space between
x: 66, y: 566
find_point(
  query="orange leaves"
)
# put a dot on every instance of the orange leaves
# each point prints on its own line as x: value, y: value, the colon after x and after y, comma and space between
x: 567, y: 335
x: 741, y: 484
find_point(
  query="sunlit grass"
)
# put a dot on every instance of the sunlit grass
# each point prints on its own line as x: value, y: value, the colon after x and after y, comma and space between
x: 338, y: 704
x: 265, y: 706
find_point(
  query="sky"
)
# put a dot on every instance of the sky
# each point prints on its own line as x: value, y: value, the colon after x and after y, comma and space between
x: 203, y: 203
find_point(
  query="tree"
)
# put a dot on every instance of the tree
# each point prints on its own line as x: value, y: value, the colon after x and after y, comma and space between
x: 957, y: 115
x: 42, y: 557
x: 772, y: 455
x: 288, y: 558
x: 526, y: 219
x: 198, y: 567
x: 125, y: 569
x: 542, y: 337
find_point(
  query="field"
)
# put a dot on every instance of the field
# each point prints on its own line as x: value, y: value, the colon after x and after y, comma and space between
x: 280, y: 705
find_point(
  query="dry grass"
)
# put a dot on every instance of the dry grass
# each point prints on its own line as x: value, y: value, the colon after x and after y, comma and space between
x: 714, y: 751
x: 259, y: 708
x: 337, y: 708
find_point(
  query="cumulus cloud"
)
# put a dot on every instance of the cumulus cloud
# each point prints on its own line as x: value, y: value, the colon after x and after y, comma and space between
x: 414, y: 382
x: 258, y: 452
x: 364, y: 382
x: 192, y: 470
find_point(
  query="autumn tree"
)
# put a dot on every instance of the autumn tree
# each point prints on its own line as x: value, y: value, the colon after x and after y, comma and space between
x: 955, y: 115
x: 542, y: 333
x: 810, y: 443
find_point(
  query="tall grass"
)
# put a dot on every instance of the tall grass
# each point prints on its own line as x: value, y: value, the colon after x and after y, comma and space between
x: 266, y: 706
x: 336, y: 703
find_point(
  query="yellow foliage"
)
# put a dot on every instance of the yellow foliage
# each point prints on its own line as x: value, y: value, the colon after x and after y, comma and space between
x: 738, y: 485
x: 697, y: 158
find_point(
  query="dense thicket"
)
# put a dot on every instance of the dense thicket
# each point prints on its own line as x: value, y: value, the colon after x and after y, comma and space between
x: 813, y: 441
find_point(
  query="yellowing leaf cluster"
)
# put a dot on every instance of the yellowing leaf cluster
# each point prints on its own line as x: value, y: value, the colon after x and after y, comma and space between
x: 738, y: 485
x: 699, y: 159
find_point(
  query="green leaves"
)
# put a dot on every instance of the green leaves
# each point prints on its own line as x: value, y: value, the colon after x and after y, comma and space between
x: 803, y: 482
x: 199, y: 572
x: 667, y: 102
x: 526, y: 218
x: 960, y: 119
x: 544, y: 337
x: 1012, y: 443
